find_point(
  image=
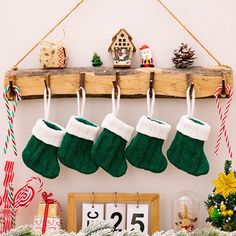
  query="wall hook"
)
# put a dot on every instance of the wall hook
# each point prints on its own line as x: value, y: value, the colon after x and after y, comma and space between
x: 81, y: 83
x: 93, y: 199
x: 189, y: 83
x: 115, y: 199
x: 223, y: 93
x: 115, y: 83
x: 47, y: 83
x: 151, y: 83
x: 137, y: 200
x: 191, y: 89
x: 11, y: 93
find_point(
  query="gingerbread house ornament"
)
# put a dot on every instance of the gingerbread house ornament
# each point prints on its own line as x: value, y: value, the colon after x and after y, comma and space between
x: 122, y: 49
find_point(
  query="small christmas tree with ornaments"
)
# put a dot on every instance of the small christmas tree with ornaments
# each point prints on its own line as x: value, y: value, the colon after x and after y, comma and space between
x: 221, y: 204
x: 96, y: 61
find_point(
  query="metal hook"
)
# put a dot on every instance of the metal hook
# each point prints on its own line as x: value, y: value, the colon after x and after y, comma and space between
x: 189, y: 81
x: 223, y: 93
x: 151, y: 83
x: 11, y: 94
x: 81, y: 83
x: 47, y: 83
x: 137, y: 200
x: 93, y: 199
x: 115, y: 200
x: 191, y: 89
x: 115, y: 83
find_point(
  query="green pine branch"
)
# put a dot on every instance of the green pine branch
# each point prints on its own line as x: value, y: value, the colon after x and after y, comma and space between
x: 228, y: 165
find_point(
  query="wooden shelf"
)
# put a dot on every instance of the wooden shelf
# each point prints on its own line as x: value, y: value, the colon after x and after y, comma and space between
x: 133, y: 82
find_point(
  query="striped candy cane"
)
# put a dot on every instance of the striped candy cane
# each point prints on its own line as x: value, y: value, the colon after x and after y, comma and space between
x: 11, y: 200
x: 223, y: 118
x: 11, y: 115
x: 25, y: 195
x: 36, y: 179
x: 9, y: 176
x: 1, y: 222
x: 7, y: 220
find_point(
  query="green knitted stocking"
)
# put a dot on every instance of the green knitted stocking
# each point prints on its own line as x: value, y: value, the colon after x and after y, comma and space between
x: 145, y: 150
x: 108, y: 150
x: 186, y: 151
x: 76, y: 146
x: 40, y: 154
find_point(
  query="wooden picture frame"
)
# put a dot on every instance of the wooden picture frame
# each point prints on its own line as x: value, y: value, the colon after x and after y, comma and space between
x: 153, y: 199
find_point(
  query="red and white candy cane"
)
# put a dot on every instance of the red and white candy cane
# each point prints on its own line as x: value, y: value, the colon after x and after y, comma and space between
x: 1, y: 222
x: 25, y: 195
x: 11, y: 115
x: 34, y: 178
x: 9, y: 176
x: 6, y: 215
x: 12, y: 208
x: 223, y: 118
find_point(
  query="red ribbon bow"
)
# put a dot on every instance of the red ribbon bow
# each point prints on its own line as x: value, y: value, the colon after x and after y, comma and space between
x: 47, y: 200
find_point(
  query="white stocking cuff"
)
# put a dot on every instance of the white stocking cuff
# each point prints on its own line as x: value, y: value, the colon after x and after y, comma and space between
x: 153, y: 128
x: 81, y: 130
x: 196, y: 130
x: 48, y: 135
x: 118, y: 127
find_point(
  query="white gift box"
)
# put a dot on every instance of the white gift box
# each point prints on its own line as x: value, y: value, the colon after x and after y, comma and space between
x: 52, y: 223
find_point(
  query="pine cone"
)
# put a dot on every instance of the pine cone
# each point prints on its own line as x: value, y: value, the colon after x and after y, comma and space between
x: 183, y: 56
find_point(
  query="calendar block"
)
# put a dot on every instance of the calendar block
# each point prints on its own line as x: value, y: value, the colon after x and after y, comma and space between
x: 116, y: 214
x: 137, y: 217
x: 91, y: 213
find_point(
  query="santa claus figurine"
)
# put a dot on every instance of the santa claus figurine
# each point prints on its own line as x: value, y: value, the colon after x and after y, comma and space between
x: 147, y: 60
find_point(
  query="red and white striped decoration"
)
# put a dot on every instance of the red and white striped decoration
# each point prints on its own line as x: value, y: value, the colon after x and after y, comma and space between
x: 22, y: 198
x: 223, y: 118
x: 11, y: 115
x: 9, y: 176
x: 1, y: 222
x: 6, y: 219
x: 34, y: 178
x: 25, y: 195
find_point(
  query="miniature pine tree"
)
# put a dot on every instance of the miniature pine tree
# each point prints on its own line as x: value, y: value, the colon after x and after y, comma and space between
x: 96, y: 61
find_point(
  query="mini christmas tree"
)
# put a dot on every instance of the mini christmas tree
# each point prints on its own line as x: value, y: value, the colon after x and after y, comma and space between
x: 96, y: 61
x: 221, y: 203
x: 183, y: 56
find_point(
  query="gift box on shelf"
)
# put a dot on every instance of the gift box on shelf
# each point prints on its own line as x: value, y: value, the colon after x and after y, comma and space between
x: 49, y: 214
x: 52, y: 55
x: 52, y: 210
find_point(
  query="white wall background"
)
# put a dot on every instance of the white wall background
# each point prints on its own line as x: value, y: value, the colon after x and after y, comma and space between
x: 90, y: 29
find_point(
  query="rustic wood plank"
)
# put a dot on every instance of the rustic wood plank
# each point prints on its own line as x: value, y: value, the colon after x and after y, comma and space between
x: 133, y: 82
